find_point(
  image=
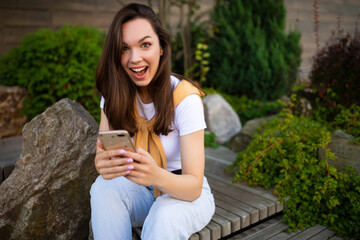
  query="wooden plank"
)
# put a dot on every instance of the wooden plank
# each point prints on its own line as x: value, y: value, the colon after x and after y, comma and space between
x: 263, y: 193
x: 257, y: 231
x: 253, y: 213
x: 308, y: 232
x: 325, y: 234
x: 270, y: 232
x: 215, y: 230
x: 234, y: 220
x: 240, y: 195
x: 244, y: 216
x: 283, y: 236
x: 224, y: 224
x: 195, y: 236
x: 204, y: 234
x: 335, y: 238
x: 245, y: 196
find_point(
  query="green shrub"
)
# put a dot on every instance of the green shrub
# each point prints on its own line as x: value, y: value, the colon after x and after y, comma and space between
x: 209, y: 140
x: 285, y: 155
x: 250, y: 53
x: 335, y: 76
x: 349, y: 121
x: 248, y: 109
x: 55, y: 65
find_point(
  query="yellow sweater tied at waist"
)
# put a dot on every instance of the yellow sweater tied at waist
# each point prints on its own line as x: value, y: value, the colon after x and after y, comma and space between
x: 145, y: 136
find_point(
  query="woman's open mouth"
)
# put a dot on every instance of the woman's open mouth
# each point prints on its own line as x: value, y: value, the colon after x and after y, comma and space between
x: 139, y: 72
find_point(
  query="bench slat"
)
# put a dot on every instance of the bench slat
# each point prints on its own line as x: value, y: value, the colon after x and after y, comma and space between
x: 235, y: 220
x: 241, y: 196
x: 224, y: 223
x: 266, y: 207
x: 215, y: 230
x: 253, y: 213
x: 244, y: 216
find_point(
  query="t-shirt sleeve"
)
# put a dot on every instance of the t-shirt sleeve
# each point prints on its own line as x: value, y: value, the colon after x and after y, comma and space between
x: 189, y: 115
x: 102, y: 102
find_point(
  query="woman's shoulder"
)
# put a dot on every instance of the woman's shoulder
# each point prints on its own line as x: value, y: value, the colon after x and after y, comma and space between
x: 174, y: 81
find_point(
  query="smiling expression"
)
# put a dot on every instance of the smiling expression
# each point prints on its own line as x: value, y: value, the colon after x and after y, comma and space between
x: 141, y: 51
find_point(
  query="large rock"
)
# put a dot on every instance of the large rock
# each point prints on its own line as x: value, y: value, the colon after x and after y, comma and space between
x: 347, y: 154
x: 11, y: 102
x: 47, y: 194
x: 220, y: 118
x: 241, y: 140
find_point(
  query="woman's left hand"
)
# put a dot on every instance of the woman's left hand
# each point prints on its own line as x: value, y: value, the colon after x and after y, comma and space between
x: 146, y: 171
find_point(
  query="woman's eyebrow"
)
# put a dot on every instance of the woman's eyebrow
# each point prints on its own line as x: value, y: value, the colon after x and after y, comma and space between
x: 142, y: 39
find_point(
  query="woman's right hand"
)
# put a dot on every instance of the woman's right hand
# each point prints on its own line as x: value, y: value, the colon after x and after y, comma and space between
x: 110, y: 163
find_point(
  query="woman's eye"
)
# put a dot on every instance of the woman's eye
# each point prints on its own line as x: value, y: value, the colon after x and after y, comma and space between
x: 124, y: 48
x: 146, y: 45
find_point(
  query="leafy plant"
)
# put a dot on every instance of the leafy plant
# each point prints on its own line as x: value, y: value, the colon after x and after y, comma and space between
x: 335, y: 76
x: 284, y: 155
x: 348, y: 120
x: 55, y: 65
x: 210, y: 140
x: 250, y: 53
x: 201, y: 67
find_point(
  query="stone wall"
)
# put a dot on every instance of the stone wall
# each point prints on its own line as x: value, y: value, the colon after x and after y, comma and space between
x: 18, y: 18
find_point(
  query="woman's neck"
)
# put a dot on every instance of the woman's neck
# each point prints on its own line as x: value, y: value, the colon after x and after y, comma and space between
x: 144, y: 95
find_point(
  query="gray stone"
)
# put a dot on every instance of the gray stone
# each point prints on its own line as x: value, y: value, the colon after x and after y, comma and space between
x: 220, y: 118
x: 241, y: 140
x: 47, y: 195
x: 11, y: 102
x: 347, y: 154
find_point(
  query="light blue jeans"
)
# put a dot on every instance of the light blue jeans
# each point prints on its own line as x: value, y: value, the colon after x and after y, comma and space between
x: 119, y: 204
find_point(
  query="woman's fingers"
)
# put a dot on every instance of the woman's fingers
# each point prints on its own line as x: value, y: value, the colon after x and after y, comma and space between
x: 100, y: 145
x: 115, y: 175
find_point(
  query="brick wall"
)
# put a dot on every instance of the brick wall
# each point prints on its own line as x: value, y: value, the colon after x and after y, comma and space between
x: 19, y: 17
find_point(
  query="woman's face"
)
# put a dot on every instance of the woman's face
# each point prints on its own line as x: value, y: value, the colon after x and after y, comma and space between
x: 141, y: 51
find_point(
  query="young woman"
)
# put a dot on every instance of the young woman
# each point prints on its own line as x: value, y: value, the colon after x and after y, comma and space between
x: 162, y: 186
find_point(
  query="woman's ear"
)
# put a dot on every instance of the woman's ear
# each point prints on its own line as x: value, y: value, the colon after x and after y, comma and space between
x: 161, y: 51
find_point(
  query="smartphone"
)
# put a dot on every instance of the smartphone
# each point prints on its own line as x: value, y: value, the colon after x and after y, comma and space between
x: 118, y: 139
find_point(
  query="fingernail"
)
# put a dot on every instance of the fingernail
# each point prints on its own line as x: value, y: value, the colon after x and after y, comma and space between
x: 129, y: 160
x: 112, y: 158
x: 122, y: 151
x: 131, y: 167
x: 127, y: 172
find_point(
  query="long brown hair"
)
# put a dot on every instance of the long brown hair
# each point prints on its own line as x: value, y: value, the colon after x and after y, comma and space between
x: 115, y: 85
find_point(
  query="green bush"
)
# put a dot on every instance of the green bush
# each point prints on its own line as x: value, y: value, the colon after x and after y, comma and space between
x: 248, y: 109
x: 55, y: 65
x: 285, y: 155
x: 250, y: 53
x: 335, y: 76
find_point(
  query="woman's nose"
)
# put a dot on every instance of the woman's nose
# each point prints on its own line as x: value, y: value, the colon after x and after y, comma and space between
x: 135, y: 56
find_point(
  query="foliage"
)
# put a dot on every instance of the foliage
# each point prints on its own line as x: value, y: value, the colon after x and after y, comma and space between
x: 248, y: 109
x: 201, y: 67
x: 250, y: 53
x: 199, y: 50
x: 349, y: 121
x: 55, y: 65
x: 284, y: 155
x: 335, y: 75
x: 210, y: 140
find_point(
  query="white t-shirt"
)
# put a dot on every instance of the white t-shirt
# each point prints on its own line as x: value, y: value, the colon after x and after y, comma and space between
x: 189, y: 118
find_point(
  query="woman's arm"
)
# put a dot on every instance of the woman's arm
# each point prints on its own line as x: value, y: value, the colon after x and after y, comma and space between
x: 187, y: 186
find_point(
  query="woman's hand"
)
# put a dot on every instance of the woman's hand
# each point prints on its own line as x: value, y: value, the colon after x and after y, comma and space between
x: 146, y: 171
x: 112, y: 163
